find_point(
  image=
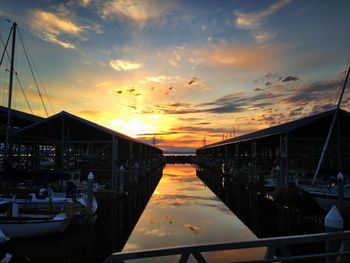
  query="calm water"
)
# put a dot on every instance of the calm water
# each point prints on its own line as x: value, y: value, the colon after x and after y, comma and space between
x: 183, y: 211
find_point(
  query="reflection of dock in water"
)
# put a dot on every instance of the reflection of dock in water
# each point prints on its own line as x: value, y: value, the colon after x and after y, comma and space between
x: 183, y: 211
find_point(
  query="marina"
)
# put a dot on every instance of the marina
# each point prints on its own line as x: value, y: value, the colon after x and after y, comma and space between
x: 174, y: 132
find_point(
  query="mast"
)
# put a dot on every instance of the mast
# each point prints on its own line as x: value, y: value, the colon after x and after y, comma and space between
x: 331, y: 128
x: 8, y: 125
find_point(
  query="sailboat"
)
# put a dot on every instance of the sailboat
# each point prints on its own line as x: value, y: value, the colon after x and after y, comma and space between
x: 45, y: 210
x: 327, y: 195
x: 17, y: 224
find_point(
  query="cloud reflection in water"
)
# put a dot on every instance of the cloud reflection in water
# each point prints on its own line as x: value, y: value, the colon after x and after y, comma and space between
x: 182, y: 211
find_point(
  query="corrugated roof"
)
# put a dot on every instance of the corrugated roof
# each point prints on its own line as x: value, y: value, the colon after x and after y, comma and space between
x: 275, y: 130
x: 81, y: 120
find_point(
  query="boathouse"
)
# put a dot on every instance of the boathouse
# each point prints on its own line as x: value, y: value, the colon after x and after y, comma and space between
x: 294, y: 148
x: 19, y: 120
x: 67, y: 143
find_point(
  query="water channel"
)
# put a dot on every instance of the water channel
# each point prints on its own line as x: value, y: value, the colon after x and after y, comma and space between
x: 184, y: 211
x: 179, y: 209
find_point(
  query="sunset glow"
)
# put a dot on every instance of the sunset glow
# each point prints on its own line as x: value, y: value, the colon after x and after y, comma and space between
x: 183, y: 73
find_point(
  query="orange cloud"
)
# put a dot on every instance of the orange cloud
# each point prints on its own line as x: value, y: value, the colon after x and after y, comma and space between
x: 253, y: 19
x: 51, y: 27
x: 140, y: 12
x: 239, y: 57
x: 120, y: 65
x: 155, y: 79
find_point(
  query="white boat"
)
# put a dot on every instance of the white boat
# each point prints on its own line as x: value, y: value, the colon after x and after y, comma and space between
x: 44, y: 196
x: 57, y: 201
x: 19, y: 225
x: 326, y: 196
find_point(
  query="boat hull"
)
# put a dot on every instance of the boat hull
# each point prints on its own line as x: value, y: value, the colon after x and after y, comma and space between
x: 18, y: 228
x: 327, y: 202
x: 326, y: 197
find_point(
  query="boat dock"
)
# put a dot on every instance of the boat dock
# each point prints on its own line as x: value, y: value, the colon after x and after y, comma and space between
x: 69, y: 144
x: 289, y: 151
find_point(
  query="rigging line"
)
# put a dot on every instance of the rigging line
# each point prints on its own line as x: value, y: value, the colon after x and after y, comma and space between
x: 5, y: 49
x: 38, y: 76
x: 16, y: 74
x: 340, y: 78
x: 46, y: 95
x: 31, y: 70
x: 25, y: 97
x: 332, y: 125
x: 27, y: 54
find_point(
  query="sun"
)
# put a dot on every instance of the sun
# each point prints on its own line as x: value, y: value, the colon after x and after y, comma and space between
x: 133, y: 127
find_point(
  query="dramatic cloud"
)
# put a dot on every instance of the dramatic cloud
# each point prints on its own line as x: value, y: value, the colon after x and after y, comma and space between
x: 53, y: 39
x: 155, y: 79
x: 253, y: 20
x: 290, y: 78
x: 140, y: 12
x: 317, y: 92
x: 196, y: 129
x: 120, y: 65
x: 240, y: 57
x: 52, y: 28
x: 261, y: 37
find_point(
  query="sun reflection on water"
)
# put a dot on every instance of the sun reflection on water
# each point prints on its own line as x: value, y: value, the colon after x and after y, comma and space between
x: 182, y: 211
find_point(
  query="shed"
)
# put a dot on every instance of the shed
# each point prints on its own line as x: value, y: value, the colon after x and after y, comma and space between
x: 295, y: 146
x: 65, y: 142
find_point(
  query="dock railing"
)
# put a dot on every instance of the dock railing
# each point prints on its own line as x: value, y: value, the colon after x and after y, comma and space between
x: 277, y: 249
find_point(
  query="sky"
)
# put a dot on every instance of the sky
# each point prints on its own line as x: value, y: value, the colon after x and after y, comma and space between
x: 180, y: 73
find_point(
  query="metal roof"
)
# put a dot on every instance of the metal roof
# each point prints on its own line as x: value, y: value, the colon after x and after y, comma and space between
x: 275, y: 130
x: 20, y: 115
x: 76, y: 119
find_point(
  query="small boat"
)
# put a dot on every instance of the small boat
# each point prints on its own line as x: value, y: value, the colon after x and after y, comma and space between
x: 46, y: 198
x: 327, y: 196
x: 15, y: 224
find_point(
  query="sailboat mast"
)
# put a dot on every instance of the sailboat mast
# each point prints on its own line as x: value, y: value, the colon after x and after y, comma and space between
x: 331, y: 128
x: 8, y: 126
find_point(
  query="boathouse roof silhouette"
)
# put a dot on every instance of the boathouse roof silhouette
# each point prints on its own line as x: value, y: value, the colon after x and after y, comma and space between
x: 79, y: 129
x: 20, y: 119
x: 321, y: 120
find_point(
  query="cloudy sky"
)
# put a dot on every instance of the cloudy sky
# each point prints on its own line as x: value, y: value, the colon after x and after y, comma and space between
x: 187, y: 72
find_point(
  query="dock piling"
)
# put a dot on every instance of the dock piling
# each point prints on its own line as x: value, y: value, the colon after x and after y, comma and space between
x: 333, y: 223
x: 90, y: 192
x: 340, y: 186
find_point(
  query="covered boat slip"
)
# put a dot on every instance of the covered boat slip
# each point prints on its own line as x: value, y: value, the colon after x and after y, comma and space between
x: 295, y: 147
x: 67, y: 143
